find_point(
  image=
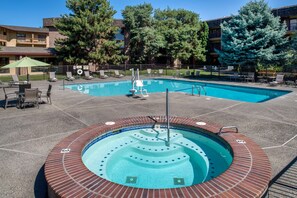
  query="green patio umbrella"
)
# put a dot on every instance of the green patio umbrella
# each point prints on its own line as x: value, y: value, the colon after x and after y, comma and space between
x: 26, y: 62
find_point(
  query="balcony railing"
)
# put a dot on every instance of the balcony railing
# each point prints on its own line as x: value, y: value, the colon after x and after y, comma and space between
x: 31, y: 41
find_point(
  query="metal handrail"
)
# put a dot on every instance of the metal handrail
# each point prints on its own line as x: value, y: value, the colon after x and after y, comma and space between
x: 198, y: 87
x: 167, y: 118
x: 227, y: 127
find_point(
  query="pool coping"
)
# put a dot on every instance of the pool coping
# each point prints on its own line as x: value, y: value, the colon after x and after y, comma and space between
x: 67, y: 176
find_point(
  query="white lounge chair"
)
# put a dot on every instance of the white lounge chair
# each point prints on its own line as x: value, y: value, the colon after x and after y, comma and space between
x: 102, y: 75
x: 69, y: 76
x: 279, y: 80
x: 16, y: 81
x: 88, y: 76
x: 52, y: 77
x: 160, y: 72
x: 117, y: 74
x: 149, y: 72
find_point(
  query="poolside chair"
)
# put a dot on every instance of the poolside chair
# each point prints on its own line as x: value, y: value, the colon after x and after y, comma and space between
x: 47, y: 95
x: 279, y: 80
x: 188, y: 73
x: 15, y: 80
x: 9, y: 97
x: 52, y: 77
x: 177, y: 74
x: 69, y: 76
x: 31, y: 96
x: 250, y: 77
x: 102, y: 75
x: 197, y: 73
x: 230, y: 68
x: 117, y: 74
x: 235, y: 76
x: 160, y: 72
x: 88, y: 76
x: 149, y: 72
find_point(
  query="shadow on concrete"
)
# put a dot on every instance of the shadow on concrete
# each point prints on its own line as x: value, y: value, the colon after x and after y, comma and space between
x: 40, y: 185
x: 284, y: 183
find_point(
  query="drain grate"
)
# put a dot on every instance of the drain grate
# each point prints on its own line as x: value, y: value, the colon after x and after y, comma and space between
x: 131, y: 180
x: 178, y: 181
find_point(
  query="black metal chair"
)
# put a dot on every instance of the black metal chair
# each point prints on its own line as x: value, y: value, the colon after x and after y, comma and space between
x: 48, y: 94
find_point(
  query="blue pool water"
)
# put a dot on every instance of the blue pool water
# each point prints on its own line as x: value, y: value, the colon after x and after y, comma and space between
x: 239, y: 93
x: 141, y: 158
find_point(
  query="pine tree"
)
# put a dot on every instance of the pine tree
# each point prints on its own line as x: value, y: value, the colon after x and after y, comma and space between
x: 254, y: 36
x: 89, y: 33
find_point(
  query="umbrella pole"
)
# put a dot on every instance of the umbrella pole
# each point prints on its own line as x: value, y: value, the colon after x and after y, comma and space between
x: 28, y: 79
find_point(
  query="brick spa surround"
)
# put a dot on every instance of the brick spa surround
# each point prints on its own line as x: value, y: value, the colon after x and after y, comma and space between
x: 67, y: 176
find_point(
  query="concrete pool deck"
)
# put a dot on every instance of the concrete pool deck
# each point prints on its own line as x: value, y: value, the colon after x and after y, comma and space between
x: 27, y: 136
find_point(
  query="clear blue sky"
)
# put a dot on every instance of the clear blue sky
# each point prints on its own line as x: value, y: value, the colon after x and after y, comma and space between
x: 31, y: 12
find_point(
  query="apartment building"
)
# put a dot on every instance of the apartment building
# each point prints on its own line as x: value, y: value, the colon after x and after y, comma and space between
x: 39, y: 43
x: 287, y: 14
x: 17, y: 42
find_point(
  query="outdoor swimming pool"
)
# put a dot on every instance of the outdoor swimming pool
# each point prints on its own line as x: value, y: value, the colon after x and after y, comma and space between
x: 239, y: 93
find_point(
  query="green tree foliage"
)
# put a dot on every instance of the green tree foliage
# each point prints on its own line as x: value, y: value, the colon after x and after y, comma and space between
x: 185, y: 35
x: 292, y: 52
x: 144, y: 40
x: 89, y: 33
x: 254, y: 36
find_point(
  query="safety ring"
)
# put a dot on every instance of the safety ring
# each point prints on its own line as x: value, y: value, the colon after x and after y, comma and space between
x: 79, y: 72
x: 79, y: 87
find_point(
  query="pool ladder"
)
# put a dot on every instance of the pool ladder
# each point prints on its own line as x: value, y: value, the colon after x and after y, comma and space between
x: 198, y: 88
x: 227, y: 127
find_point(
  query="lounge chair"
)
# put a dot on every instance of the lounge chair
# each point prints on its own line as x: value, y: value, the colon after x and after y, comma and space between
x: 15, y: 80
x: 31, y: 96
x: 47, y: 95
x: 88, y: 76
x: 197, y: 73
x: 235, y: 76
x: 160, y: 72
x: 9, y: 97
x: 52, y: 77
x: 279, y: 80
x: 102, y: 75
x: 230, y: 68
x: 117, y: 74
x: 250, y: 77
x: 69, y: 76
x: 149, y: 72
x: 188, y: 73
x: 177, y: 74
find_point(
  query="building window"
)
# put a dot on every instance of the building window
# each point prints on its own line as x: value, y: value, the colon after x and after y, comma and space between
x: 21, y: 36
x: 4, y: 61
x: 2, y: 43
x: 293, y: 24
x: 4, y: 33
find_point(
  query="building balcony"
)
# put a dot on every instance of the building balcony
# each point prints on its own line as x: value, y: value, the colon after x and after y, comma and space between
x: 3, y: 37
x: 32, y: 41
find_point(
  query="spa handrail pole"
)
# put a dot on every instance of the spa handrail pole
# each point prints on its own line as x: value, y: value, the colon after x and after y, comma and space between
x: 167, y: 117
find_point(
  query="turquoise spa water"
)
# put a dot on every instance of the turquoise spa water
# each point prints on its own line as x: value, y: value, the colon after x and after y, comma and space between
x: 141, y: 158
x: 239, y: 93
